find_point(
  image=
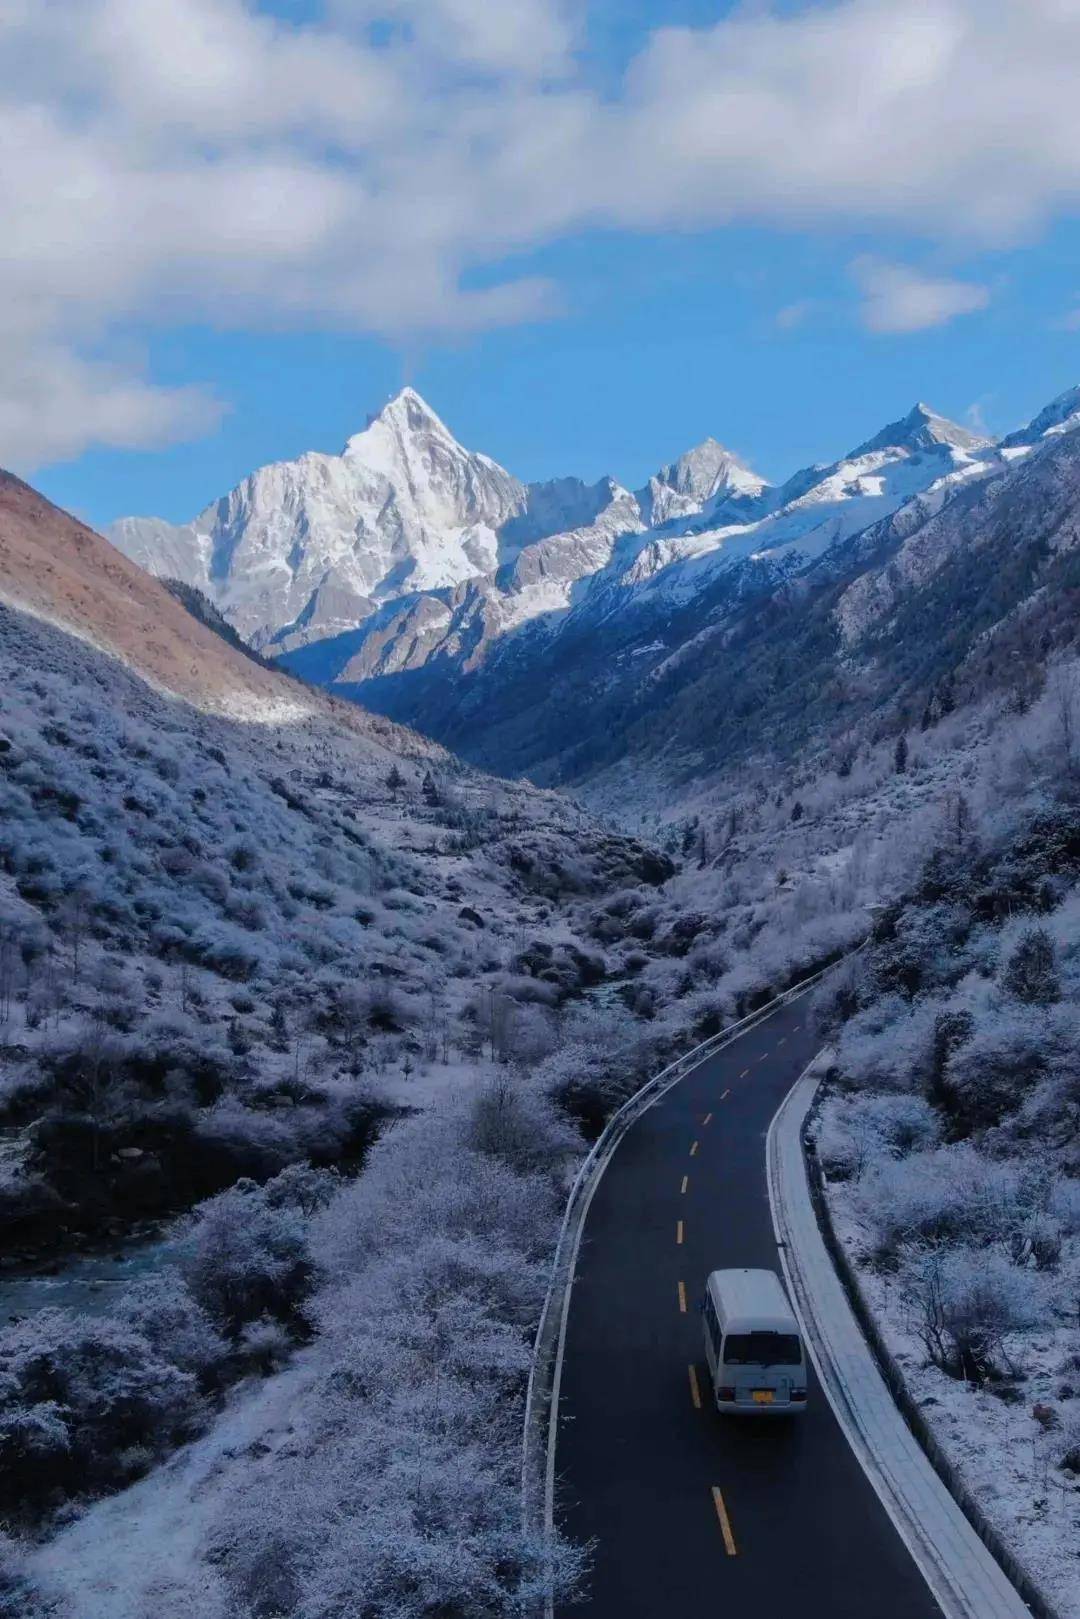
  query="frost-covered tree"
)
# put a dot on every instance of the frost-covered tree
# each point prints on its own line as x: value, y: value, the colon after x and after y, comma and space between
x: 1031, y: 972
x: 967, y: 1301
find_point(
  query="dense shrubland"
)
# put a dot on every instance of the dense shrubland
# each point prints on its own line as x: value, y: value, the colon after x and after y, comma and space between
x: 409, y: 1440
x: 416, y: 1289
x: 951, y: 1132
x: 230, y: 958
x: 225, y: 949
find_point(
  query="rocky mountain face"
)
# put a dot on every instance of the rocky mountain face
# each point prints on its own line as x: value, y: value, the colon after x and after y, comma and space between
x: 555, y: 629
x: 307, y: 547
x: 927, y: 560
x: 407, y: 545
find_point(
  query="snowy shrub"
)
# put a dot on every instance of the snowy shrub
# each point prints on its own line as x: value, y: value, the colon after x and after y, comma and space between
x: 166, y: 1313
x: 511, y: 1120
x: 605, y: 1058
x: 303, y: 1188
x: 942, y: 1194
x: 867, y: 1127
x: 246, y: 1258
x: 80, y: 1397
x: 1031, y: 973
x: 226, y: 950
x: 990, y: 1073
x: 265, y: 1344
x: 966, y: 1301
x: 410, y: 1440
x: 884, y: 1047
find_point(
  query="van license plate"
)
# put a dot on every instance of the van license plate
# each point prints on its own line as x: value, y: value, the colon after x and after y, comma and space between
x: 763, y: 1396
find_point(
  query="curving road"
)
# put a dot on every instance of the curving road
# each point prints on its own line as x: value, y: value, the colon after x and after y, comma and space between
x: 694, y: 1515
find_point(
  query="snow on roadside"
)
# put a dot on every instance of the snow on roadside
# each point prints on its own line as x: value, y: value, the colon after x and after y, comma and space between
x: 998, y: 1448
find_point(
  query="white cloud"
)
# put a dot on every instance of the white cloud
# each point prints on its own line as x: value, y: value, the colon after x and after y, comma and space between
x: 896, y: 298
x: 975, y: 416
x: 794, y: 315
x: 205, y: 160
x: 53, y: 403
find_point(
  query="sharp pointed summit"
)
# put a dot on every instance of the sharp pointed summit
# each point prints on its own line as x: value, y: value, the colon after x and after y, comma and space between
x: 923, y: 429
x: 405, y: 412
x: 704, y: 473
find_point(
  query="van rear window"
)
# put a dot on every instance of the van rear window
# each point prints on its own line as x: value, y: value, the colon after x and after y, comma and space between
x: 762, y: 1349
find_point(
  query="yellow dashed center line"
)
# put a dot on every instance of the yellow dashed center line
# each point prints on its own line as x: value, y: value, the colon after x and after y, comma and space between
x: 682, y: 1298
x: 725, y: 1522
x: 679, y: 1232
x: 708, y: 1116
x: 693, y: 1150
x: 685, y: 1184
x: 695, y: 1392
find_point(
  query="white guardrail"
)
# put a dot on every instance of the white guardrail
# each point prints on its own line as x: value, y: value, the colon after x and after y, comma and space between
x: 542, y: 1398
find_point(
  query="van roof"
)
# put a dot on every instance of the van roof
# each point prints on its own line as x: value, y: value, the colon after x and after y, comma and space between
x: 752, y: 1300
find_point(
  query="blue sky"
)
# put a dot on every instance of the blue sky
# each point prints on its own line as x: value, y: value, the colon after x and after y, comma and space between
x: 649, y: 304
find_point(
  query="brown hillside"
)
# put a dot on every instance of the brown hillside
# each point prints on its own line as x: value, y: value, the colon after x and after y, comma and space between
x: 57, y: 568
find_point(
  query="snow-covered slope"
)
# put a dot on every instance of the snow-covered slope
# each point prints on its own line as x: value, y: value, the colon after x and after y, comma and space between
x: 812, y: 510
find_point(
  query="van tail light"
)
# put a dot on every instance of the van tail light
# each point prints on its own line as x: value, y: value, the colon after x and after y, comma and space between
x: 798, y: 1394
x: 725, y: 1394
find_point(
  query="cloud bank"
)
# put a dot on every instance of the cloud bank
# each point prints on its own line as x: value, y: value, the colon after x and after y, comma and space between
x: 205, y: 160
x: 896, y: 298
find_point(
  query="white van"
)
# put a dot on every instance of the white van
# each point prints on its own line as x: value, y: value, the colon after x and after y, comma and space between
x: 753, y: 1344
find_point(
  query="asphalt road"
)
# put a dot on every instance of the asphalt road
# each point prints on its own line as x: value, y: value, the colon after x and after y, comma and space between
x: 694, y: 1514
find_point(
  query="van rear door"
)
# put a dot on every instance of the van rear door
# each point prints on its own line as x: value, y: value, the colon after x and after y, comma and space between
x: 762, y: 1366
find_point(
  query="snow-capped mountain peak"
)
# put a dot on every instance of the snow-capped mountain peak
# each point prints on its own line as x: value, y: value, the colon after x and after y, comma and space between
x: 708, y: 472
x: 408, y: 547
x: 1061, y: 415
x: 405, y: 416
x: 311, y: 547
x: 923, y: 429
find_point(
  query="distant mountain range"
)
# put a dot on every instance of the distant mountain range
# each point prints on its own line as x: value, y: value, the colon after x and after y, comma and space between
x: 560, y: 628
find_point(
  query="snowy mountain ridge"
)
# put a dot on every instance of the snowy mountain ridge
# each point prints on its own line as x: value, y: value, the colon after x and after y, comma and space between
x: 302, y: 551
x: 408, y: 550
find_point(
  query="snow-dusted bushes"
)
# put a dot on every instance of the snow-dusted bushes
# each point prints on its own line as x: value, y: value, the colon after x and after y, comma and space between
x: 409, y: 1442
x: 604, y: 1056
x: 85, y: 1403
x: 88, y: 1403
x: 968, y: 1300
x: 965, y: 1008
x: 248, y: 1258
x: 945, y: 1194
x: 872, y: 1126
